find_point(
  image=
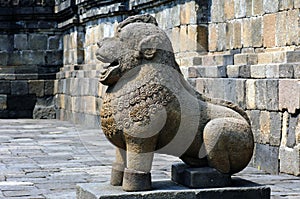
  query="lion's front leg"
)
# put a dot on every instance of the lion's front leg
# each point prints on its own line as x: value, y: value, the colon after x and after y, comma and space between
x: 118, y: 167
x: 229, y: 144
x: 137, y: 176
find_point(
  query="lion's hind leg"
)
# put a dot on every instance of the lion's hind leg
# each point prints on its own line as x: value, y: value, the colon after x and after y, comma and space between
x: 229, y: 144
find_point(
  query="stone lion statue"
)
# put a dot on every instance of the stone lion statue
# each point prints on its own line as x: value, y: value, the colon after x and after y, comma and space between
x: 149, y: 107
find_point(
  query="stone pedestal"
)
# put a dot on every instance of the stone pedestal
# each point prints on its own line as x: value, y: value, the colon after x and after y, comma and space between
x: 204, y: 177
x: 167, y: 189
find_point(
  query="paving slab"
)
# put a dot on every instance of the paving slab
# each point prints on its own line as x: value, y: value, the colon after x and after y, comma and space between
x: 168, y: 189
x: 47, y: 158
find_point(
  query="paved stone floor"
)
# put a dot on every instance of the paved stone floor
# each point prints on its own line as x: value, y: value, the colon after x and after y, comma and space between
x: 47, y: 158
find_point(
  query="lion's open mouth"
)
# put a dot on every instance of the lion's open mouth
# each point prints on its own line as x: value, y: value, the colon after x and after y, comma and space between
x: 107, y: 70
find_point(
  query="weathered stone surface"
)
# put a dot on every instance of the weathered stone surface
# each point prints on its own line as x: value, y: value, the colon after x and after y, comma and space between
x: 3, y: 102
x: 36, y: 87
x: 167, y: 189
x: 247, y: 32
x: 229, y: 11
x: 275, y: 128
x: 257, y: 31
x: 265, y: 129
x: 289, y: 97
x: 285, y: 4
x: 286, y: 71
x: 260, y: 94
x: 20, y: 41
x: 258, y: 71
x: 154, y: 76
x: 290, y: 160
x: 281, y: 29
x: 204, y: 177
x: 292, y: 28
x: 293, y: 56
x: 266, y: 158
x: 237, y: 34
x: 270, y: 6
x: 251, y: 93
x: 269, y: 29
x: 19, y: 88
x: 272, y: 96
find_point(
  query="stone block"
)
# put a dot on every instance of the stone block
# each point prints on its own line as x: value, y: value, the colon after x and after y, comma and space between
x: 257, y: 28
x: 175, y: 16
x: 203, y: 177
x: 289, y: 95
x: 258, y: 71
x: 286, y: 71
x: 278, y: 57
x: 271, y: 6
x: 20, y: 42
x: 254, y: 116
x: 53, y: 58
x: 229, y: 9
x: 233, y: 71
x: 19, y: 87
x: 229, y: 35
x: 249, y: 6
x: 5, y: 43
x: 272, y: 101
x: 290, y: 160
x: 5, y: 87
x: 3, y: 102
x: 260, y: 94
x: 296, y: 71
x: 217, y: 11
x: 15, y: 58
x: 240, y: 8
x: 197, y: 38
x: 187, y: 13
x: 251, y: 94
x: 275, y: 128
x: 240, y: 59
x: 230, y: 90
x: 265, y: 130
x: 221, y: 44
x: 291, y: 136
x: 269, y: 30
x: 21, y: 102
x: 33, y: 57
x: 54, y: 43
x: 36, y: 87
x: 266, y: 158
x: 168, y: 189
x: 240, y: 93
x: 237, y: 34
x: 292, y: 56
x: 296, y: 3
x: 292, y: 27
x: 37, y: 42
x: 4, y: 58
x: 257, y: 8
x: 245, y: 71
x: 213, y: 37
x: 264, y: 58
x: 247, y: 32
x: 281, y: 29
x: 285, y: 4
x: 184, y: 42
x: 49, y: 87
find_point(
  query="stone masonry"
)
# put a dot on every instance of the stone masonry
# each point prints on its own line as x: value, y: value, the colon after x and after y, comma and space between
x: 244, y: 51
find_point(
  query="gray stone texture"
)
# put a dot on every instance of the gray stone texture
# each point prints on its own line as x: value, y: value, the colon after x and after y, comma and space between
x: 204, y: 177
x: 266, y: 158
x: 171, y: 190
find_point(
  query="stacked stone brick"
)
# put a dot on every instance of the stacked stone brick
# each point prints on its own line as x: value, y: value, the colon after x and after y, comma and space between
x: 254, y: 60
x: 30, y: 56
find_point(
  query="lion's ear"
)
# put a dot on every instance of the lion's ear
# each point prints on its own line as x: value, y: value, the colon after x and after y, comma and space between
x: 149, y: 45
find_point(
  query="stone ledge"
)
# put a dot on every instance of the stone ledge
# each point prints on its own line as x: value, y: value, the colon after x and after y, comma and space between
x: 167, y: 189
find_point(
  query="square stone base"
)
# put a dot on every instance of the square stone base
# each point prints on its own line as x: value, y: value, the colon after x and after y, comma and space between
x: 167, y: 189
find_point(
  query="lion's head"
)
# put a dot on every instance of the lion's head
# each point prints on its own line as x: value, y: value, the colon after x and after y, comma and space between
x: 138, y: 40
